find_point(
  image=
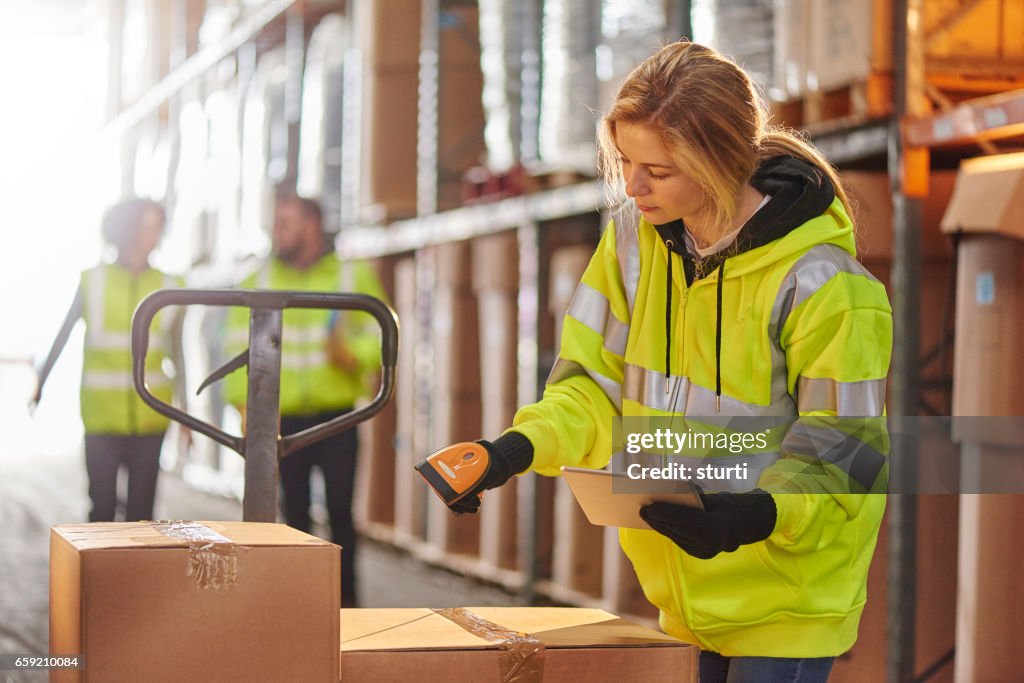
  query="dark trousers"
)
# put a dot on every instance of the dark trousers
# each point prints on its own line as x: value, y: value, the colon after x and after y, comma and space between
x: 714, y: 668
x: 336, y: 458
x: 105, y: 454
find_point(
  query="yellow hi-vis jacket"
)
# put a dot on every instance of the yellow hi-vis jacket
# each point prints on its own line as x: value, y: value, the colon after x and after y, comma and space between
x: 805, y: 331
x: 109, y: 402
x: 310, y: 383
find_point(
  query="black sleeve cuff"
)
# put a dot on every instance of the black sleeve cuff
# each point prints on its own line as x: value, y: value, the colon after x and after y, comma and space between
x: 515, y: 449
x: 757, y: 514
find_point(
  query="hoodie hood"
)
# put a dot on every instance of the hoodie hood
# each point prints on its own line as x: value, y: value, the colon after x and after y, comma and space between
x: 800, y: 193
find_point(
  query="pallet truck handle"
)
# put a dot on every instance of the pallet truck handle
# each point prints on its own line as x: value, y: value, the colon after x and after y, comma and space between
x: 271, y: 300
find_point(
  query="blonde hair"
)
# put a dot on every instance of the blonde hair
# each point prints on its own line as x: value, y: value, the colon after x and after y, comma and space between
x: 712, y: 121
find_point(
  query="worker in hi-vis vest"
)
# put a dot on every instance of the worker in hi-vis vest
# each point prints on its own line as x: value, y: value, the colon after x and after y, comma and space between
x: 328, y: 362
x: 121, y: 430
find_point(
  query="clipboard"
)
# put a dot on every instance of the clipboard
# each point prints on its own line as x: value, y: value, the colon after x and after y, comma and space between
x: 607, y: 500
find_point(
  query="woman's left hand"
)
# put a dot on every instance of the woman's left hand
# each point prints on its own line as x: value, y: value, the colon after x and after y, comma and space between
x: 727, y: 521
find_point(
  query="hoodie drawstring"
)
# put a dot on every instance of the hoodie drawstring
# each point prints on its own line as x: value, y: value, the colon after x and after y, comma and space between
x: 718, y: 339
x: 668, y: 319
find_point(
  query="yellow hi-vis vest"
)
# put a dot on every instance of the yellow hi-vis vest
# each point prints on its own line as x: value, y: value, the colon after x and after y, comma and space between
x: 310, y: 383
x: 806, y: 331
x: 110, y: 404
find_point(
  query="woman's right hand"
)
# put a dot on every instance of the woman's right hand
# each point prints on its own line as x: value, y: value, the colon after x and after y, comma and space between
x: 498, y: 472
x: 507, y: 456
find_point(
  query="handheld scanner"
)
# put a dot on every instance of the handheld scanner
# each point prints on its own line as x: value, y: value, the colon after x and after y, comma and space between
x: 453, y: 471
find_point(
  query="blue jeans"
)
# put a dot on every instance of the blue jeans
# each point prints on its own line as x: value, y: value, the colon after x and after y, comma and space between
x: 714, y: 668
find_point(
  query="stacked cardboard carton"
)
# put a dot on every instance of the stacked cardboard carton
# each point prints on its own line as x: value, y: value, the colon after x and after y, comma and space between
x: 460, y: 101
x: 389, y: 34
x: 496, y: 285
x: 389, y: 31
x: 555, y: 645
x: 376, y: 491
x: 986, y: 210
x: 194, y: 601
x: 410, y: 445
x: 456, y: 383
x: 577, y: 559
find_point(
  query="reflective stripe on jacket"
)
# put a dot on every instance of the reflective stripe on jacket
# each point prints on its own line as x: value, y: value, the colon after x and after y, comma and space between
x: 805, y: 331
x: 109, y: 402
x: 310, y: 383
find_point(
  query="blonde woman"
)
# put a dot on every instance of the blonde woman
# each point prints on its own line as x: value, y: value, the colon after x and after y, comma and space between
x: 726, y: 286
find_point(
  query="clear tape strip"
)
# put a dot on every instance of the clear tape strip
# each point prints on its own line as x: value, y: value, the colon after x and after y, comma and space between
x: 212, y: 559
x: 522, y: 656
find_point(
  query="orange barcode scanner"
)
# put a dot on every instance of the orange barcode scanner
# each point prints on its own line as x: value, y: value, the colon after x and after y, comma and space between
x: 455, y: 470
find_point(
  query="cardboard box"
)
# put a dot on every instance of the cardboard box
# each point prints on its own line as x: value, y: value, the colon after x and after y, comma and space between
x: 789, y: 79
x: 570, y: 644
x: 453, y: 265
x: 872, y: 199
x: 194, y: 601
x: 988, y: 363
x: 989, y: 590
x: 567, y: 267
x: 375, y: 477
x: 496, y: 262
x: 410, y: 489
x: 499, y: 364
x: 460, y: 110
x: 576, y: 561
x: 839, y: 42
x: 456, y: 347
x: 390, y: 132
x: 499, y: 527
x: 989, y: 197
x: 388, y: 32
x: 498, y: 378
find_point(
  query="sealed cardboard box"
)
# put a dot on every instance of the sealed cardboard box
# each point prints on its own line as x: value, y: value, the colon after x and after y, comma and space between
x: 549, y: 644
x: 194, y: 601
x: 987, y: 197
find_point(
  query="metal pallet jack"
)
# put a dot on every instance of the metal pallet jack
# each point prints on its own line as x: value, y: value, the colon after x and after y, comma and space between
x: 262, y: 446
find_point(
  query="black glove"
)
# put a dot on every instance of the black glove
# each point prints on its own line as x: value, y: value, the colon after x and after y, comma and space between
x: 727, y: 521
x: 509, y: 454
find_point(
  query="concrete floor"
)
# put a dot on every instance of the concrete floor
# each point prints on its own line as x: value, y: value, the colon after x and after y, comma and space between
x: 42, y: 483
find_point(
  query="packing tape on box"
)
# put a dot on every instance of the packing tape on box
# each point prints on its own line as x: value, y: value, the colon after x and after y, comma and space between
x: 522, y: 656
x: 211, y: 556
